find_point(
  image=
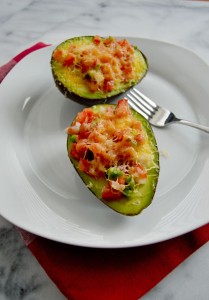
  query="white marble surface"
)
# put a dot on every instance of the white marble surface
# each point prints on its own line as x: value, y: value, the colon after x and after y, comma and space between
x: 185, y: 23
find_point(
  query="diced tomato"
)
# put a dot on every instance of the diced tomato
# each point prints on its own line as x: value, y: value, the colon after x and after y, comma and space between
x: 88, y: 63
x: 119, y: 52
x: 94, y: 137
x: 105, y: 58
x: 109, y: 41
x: 81, y: 117
x: 97, y: 39
x: 122, y: 108
x: 128, y: 153
x: 130, y: 49
x: 118, y: 136
x: 140, y: 171
x: 136, y: 125
x: 86, y: 115
x: 123, y: 43
x: 81, y: 148
x: 84, y: 165
x: 127, y: 69
x: 84, y: 130
x: 93, y: 86
x: 121, y: 179
x: 97, y: 149
x: 108, y: 85
x: 69, y: 60
x: 73, y: 152
x: 90, y: 115
x: 139, y: 138
x: 57, y: 55
x: 111, y: 194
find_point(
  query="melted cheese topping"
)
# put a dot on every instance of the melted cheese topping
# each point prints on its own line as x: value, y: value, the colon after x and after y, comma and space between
x: 109, y: 142
x: 102, y: 65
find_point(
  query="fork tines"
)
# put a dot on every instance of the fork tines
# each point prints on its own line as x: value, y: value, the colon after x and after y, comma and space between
x: 141, y: 103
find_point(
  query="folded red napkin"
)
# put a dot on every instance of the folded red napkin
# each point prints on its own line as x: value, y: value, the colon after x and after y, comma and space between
x: 116, y: 274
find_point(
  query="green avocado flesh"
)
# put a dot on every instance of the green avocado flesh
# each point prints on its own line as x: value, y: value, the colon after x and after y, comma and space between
x: 132, y: 203
x: 83, y: 77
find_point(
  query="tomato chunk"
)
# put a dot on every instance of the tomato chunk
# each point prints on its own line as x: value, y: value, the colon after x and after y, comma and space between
x: 110, y: 194
x: 84, y: 165
x: 57, y: 55
x: 88, y: 63
x: 108, y: 85
x: 139, y: 138
x: 73, y: 152
x: 122, y: 109
x: 86, y: 116
x: 69, y: 60
x: 97, y: 39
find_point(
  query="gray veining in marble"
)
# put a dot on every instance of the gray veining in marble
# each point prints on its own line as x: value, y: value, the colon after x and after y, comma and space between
x: 21, y: 277
x: 22, y: 23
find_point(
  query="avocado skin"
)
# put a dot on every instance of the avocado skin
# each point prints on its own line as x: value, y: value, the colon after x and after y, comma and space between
x: 88, y: 98
x: 128, y: 206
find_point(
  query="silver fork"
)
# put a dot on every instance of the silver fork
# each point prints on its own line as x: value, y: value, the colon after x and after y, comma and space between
x: 156, y: 115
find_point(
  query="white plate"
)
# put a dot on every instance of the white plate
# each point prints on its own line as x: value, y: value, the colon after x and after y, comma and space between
x: 40, y: 190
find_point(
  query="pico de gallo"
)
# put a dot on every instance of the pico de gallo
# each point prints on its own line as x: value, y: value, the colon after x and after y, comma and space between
x: 103, y: 64
x: 109, y: 143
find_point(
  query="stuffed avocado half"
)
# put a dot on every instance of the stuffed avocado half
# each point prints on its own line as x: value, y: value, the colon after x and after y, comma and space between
x: 94, y: 68
x: 114, y: 151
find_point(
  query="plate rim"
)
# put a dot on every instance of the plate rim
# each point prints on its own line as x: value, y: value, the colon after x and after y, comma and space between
x: 36, y: 232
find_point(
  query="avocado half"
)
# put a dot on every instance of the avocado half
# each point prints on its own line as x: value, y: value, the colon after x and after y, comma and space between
x: 133, y: 204
x: 74, y: 84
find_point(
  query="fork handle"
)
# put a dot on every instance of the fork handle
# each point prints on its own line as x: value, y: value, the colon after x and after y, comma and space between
x: 195, y: 125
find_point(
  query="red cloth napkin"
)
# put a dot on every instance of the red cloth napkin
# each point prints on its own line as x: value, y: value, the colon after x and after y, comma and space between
x: 100, y: 274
